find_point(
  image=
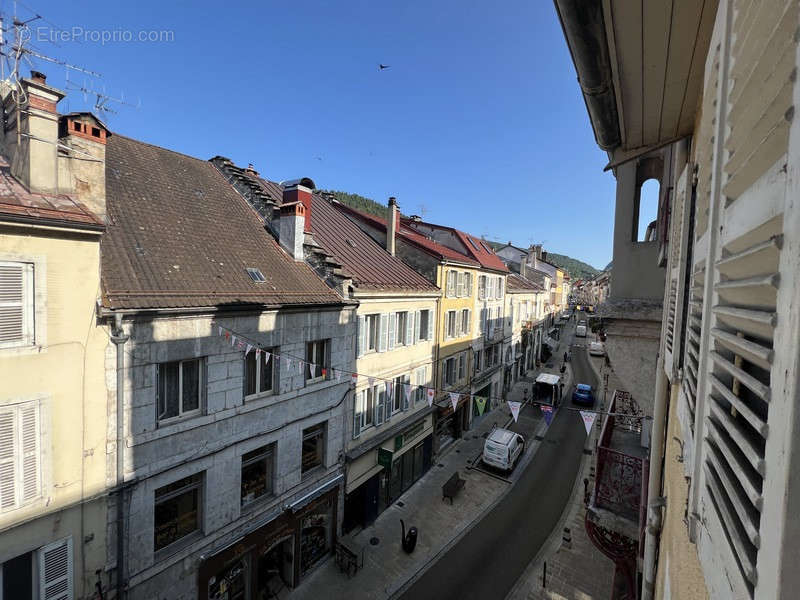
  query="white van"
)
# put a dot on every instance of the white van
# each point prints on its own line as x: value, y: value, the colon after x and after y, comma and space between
x: 580, y: 331
x: 502, y: 449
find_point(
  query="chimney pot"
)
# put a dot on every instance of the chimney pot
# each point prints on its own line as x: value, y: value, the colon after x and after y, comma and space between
x: 38, y: 77
x: 299, y: 190
x: 392, y: 224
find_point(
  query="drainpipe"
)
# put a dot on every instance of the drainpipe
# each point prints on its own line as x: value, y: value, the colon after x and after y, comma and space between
x: 654, y: 500
x: 119, y: 338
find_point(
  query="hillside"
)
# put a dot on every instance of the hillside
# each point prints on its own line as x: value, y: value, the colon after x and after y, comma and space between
x: 361, y: 203
x: 577, y: 269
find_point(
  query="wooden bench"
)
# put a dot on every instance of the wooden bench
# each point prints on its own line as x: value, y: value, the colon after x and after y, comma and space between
x: 452, y: 486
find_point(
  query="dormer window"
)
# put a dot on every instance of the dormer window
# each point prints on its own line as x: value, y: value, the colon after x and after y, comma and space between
x: 256, y: 275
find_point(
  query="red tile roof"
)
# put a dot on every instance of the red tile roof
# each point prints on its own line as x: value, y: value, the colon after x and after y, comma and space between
x: 180, y: 236
x: 59, y: 210
x: 478, y: 249
x: 424, y: 243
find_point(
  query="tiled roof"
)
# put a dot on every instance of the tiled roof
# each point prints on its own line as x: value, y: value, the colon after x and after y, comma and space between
x: 428, y: 245
x: 369, y: 265
x: 478, y: 249
x: 517, y: 283
x: 18, y: 204
x: 180, y: 236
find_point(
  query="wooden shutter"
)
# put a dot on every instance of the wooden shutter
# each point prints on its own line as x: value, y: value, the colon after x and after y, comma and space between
x: 393, y: 321
x: 383, y: 332
x: 362, y: 336
x: 8, y: 493
x: 16, y: 303
x: 55, y: 571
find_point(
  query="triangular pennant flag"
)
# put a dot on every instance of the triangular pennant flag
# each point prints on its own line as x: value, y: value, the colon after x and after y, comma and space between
x: 430, y: 393
x: 311, y: 370
x: 249, y: 347
x: 258, y: 355
x: 588, y: 420
x: 454, y: 400
x: 514, y: 406
x: 300, y: 363
x: 480, y: 403
x: 227, y: 335
x: 354, y: 378
x: 220, y: 330
x: 233, y: 340
x: 408, y: 392
x: 324, y: 372
x: 338, y: 373
x: 547, y: 411
x: 266, y: 357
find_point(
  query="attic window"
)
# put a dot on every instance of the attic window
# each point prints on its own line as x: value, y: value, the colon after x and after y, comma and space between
x: 485, y: 247
x: 95, y: 132
x: 474, y: 245
x: 256, y: 275
x: 76, y: 125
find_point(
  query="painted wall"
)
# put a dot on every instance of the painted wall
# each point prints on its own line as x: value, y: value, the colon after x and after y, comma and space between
x: 452, y: 346
x: 63, y: 372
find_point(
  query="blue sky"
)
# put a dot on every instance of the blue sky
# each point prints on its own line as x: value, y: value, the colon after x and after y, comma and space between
x: 479, y: 119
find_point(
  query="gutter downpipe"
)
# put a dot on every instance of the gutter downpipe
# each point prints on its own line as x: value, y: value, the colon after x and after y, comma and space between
x: 119, y: 338
x: 654, y: 500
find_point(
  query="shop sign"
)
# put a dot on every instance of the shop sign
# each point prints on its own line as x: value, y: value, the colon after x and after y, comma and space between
x: 385, y: 458
x: 398, y: 442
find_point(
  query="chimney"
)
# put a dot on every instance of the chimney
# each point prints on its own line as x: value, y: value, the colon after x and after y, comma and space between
x: 392, y: 224
x: 31, y: 136
x: 523, y: 264
x: 299, y: 190
x: 82, y: 160
x: 291, y: 230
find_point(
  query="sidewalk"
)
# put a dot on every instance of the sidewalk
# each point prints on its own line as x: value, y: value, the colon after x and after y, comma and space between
x: 387, y: 568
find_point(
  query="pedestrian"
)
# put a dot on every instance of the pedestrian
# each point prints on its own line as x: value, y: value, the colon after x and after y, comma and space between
x: 565, y: 357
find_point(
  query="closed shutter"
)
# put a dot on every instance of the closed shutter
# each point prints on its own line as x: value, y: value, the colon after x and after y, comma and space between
x: 392, y: 330
x: 55, y: 571
x: 8, y: 494
x: 431, y: 324
x: 358, y: 407
x: 29, y: 437
x: 383, y: 332
x: 362, y: 336
x: 469, y: 321
x: 417, y: 325
x: 16, y: 304
x: 694, y: 325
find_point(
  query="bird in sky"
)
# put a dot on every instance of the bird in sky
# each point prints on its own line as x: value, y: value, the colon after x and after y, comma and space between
x: 381, y: 67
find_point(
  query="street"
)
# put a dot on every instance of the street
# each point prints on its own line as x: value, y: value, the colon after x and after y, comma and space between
x: 487, y: 561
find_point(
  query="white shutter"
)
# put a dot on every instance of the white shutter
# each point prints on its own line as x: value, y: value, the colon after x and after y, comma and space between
x: 29, y: 437
x: 393, y: 321
x: 383, y: 332
x: 362, y: 336
x: 430, y: 324
x: 358, y: 407
x: 469, y: 321
x: 468, y: 284
x: 16, y: 306
x: 460, y: 285
x: 417, y: 324
x: 410, y: 327
x: 55, y: 571
x: 8, y: 495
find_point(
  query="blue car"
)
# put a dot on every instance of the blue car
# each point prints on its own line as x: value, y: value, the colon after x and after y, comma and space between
x: 582, y: 394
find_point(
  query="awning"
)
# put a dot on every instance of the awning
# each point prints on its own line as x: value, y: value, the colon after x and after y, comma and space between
x: 548, y: 378
x: 315, y: 493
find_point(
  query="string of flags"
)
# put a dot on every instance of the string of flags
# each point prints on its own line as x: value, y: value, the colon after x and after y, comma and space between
x: 247, y: 345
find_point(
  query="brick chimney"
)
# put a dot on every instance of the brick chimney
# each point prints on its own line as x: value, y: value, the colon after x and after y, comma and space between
x: 31, y: 134
x: 392, y: 225
x: 299, y: 190
x: 291, y: 230
x: 82, y: 160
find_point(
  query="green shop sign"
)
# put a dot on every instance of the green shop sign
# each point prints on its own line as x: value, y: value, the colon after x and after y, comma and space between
x: 385, y: 458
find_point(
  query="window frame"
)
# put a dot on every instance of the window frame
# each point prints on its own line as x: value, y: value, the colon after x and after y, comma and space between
x: 324, y: 364
x: 401, y: 328
x: 426, y: 320
x: 274, y: 372
x: 450, y: 332
x: 27, y: 304
x: 266, y: 453
x: 197, y: 484
x: 182, y: 414
x: 319, y: 431
x: 372, y: 322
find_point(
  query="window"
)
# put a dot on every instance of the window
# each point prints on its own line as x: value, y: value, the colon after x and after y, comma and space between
x: 465, y: 320
x: 424, y: 325
x: 258, y: 468
x: 460, y: 285
x: 421, y: 379
x: 462, y: 366
x: 179, y: 388
x: 400, y: 401
x: 500, y: 288
x: 365, y: 412
x: 450, y: 331
x: 16, y: 304
x: 259, y: 373
x: 313, y: 448
x: 647, y: 210
x: 404, y: 325
x: 451, y: 284
x: 477, y: 361
x: 20, y: 458
x: 482, y: 287
x: 318, y: 357
x: 177, y: 510
x: 468, y: 284
x: 256, y: 275
x: 372, y: 323
x: 450, y: 368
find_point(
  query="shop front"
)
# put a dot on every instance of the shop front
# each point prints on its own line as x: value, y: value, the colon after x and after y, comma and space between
x: 275, y: 557
x: 393, y: 468
x: 450, y: 424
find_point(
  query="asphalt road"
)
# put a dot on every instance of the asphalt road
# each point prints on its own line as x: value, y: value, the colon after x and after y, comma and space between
x: 488, y: 560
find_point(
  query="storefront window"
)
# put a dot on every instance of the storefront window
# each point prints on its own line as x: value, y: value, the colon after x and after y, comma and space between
x: 230, y: 584
x: 315, y: 537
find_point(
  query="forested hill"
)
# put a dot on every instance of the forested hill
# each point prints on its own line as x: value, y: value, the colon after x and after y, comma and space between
x: 577, y: 269
x: 361, y: 203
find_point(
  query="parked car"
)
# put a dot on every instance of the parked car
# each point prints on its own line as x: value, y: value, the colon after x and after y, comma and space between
x: 582, y: 394
x: 582, y: 322
x: 502, y: 449
x: 580, y: 331
x: 597, y: 349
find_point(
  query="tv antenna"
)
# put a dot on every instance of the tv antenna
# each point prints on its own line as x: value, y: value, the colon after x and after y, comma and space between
x: 422, y: 210
x: 101, y: 99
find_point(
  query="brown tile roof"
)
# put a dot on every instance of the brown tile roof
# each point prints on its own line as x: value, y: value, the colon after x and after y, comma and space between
x: 18, y: 204
x: 477, y: 248
x: 424, y: 243
x: 517, y: 283
x: 180, y: 236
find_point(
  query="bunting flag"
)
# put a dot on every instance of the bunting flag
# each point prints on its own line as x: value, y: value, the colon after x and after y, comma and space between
x: 430, y: 393
x: 588, y: 420
x: 408, y: 392
x: 338, y: 374
x: 324, y: 372
x: 276, y: 357
x: 547, y: 411
x: 233, y: 340
x: 312, y: 371
x: 514, y: 406
x: 220, y: 330
x: 354, y: 379
x: 454, y: 400
x: 249, y: 347
x: 480, y: 403
x: 266, y: 356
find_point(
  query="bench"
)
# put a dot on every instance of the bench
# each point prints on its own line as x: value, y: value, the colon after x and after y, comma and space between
x: 452, y: 486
